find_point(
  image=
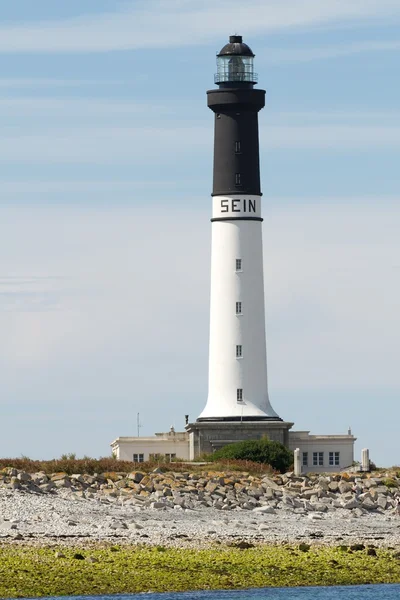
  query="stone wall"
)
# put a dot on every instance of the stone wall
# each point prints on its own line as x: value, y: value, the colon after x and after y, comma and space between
x: 207, y: 437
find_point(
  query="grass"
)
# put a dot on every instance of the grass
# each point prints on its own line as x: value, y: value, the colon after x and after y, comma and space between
x: 71, y: 465
x: 27, y: 571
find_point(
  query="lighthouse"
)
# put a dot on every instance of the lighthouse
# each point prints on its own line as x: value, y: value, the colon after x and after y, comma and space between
x: 238, y: 405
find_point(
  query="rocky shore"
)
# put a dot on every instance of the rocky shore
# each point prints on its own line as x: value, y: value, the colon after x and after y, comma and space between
x: 198, y: 509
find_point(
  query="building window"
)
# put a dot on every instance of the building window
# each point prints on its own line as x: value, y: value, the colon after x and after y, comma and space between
x: 138, y: 458
x: 318, y: 459
x: 237, y: 148
x: 305, y: 459
x: 238, y: 264
x: 239, y: 351
x: 238, y: 178
x: 334, y: 459
x: 238, y: 308
x: 239, y: 394
x: 170, y: 457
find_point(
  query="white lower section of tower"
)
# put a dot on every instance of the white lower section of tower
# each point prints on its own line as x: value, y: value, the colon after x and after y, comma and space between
x: 237, y: 355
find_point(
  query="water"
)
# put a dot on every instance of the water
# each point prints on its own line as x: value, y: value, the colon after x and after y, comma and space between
x: 354, y: 592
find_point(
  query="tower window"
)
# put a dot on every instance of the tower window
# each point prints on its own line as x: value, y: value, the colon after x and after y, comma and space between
x: 239, y: 353
x: 238, y: 179
x: 237, y: 148
x: 238, y: 308
x: 239, y: 394
x: 238, y: 264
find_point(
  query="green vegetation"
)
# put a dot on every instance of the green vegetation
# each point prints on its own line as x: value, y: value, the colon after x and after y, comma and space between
x: 27, y: 571
x: 390, y: 483
x: 260, y: 451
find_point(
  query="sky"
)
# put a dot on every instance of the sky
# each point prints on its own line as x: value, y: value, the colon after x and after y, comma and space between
x: 105, y: 181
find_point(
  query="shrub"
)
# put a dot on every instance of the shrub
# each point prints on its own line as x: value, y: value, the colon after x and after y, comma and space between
x: 264, y: 451
x: 390, y: 483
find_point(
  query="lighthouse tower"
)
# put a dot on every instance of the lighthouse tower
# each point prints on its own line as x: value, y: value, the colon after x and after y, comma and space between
x: 238, y: 406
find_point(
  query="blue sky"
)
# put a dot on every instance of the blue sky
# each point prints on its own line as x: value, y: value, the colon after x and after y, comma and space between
x: 105, y: 181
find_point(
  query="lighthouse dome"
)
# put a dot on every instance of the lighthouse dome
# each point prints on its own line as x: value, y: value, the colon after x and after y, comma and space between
x: 236, y: 46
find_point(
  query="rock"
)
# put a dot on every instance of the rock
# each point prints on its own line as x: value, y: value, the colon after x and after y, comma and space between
x: 319, y: 507
x: 357, y: 547
x: 78, y: 556
x: 59, y: 554
x: 266, y: 510
x: 369, y: 504
x: 382, y: 501
x: 304, y: 547
x: 242, y: 545
x: 269, y: 483
x: 118, y: 525
x: 371, y: 552
x: 47, y: 487
x: 136, y: 476
x: 315, y: 516
x: 351, y: 504
x: 92, y: 559
x: 76, y: 477
x: 134, y: 526
x: 24, y: 476
x: 211, y: 487
x: 344, y: 486
x: 58, y: 476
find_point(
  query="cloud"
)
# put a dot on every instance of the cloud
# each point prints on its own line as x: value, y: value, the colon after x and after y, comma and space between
x: 34, y: 82
x: 157, y: 24
x: 63, y: 107
x: 152, y: 145
x: 105, y: 145
x: 294, y: 55
x: 31, y: 293
x: 141, y: 279
x: 332, y: 137
x: 132, y: 332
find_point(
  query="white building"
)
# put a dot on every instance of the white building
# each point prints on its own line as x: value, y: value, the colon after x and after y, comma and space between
x: 169, y: 446
x: 323, y: 453
x: 318, y: 453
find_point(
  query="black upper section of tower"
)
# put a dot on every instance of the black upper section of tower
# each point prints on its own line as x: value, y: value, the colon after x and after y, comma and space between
x: 236, y: 105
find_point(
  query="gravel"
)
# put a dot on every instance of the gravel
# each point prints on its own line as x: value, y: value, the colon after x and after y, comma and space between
x: 61, y: 518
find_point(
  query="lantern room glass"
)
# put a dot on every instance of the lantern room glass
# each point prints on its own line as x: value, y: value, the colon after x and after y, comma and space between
x: 235, y: 68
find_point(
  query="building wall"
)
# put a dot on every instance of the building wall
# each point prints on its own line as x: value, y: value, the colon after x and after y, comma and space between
x: 125, y: 448
x: 344, y: 444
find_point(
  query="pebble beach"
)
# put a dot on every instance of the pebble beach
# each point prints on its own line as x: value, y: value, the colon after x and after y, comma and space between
x: 198, y: 510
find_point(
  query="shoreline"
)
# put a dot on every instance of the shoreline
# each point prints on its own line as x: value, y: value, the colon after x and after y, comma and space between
x: 171, y: 531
